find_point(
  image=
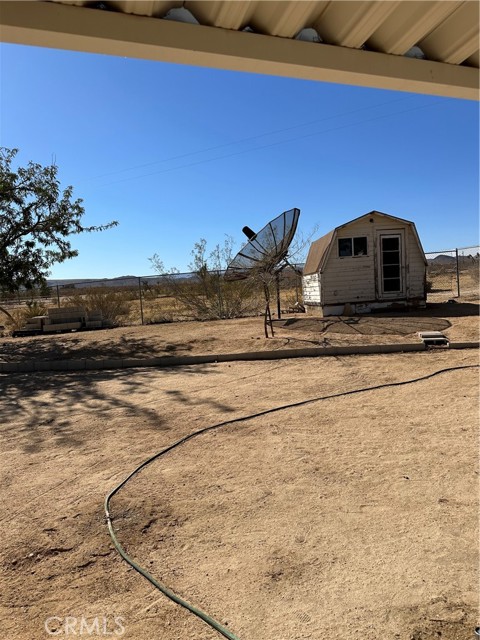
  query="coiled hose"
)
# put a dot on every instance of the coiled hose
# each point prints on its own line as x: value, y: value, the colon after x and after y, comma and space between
x: 226, y: 633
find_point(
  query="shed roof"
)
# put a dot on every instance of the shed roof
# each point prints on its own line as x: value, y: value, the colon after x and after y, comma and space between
x: 319, y: 248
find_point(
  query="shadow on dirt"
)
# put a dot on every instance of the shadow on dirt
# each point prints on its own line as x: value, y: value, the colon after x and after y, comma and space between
x: 67, y: 346
x: 450, y: 309
x: 179, y: 396
x: 433, y: 318
x: 368, y: 325
x: 43, y: 408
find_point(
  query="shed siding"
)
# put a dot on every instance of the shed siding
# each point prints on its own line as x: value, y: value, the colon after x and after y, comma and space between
x: 354, y: 279
x: 311, y: 288
x: 351, y: 279
x: 416, y: 267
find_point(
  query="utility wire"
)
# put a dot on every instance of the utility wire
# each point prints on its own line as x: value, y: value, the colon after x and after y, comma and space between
x: 226, y: 633
x: 250, y: 138
x: 266, y: 146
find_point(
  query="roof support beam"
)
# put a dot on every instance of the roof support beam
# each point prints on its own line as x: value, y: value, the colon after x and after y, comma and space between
x: 96, y: 31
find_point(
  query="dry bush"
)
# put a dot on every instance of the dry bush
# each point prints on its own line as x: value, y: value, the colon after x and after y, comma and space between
x: 162, y: 310
x: 207, y: 296
x: 291, y: 294
x: 114, y: 305
x: 470, y: 283
x: 474, y: 273
x: 441, y: 279
x: 290, y: 298
x: 203, y: 294
x: 19, y: 316
x: 155, y: 311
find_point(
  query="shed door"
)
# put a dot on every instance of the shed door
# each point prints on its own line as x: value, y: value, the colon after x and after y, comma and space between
x: 391, y: 272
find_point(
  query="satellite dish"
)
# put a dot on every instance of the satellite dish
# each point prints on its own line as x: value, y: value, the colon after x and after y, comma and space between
x: 265, y: 255
x: 265, y: 251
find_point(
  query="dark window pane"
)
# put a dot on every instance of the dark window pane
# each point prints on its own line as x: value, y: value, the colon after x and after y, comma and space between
x: 360, y: 246
x: 390, y: 244
x: 392, y: 271
x: 393, y: 284
x: 391, y: 257
x: 344, y: 247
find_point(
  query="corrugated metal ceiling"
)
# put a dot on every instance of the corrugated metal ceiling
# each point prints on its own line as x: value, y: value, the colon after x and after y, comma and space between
x: 443, y: 31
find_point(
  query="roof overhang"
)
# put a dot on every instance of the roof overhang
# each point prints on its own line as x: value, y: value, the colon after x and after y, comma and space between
x: 447, y: 30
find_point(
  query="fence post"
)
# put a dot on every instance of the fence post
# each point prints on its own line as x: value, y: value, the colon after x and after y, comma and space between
x: 220, y: 296
x: 58, y: 297
x: 458, y: 273
x: 277, y: 282
x: 140, y: 296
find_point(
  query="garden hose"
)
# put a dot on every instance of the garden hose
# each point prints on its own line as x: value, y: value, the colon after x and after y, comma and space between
x: 226, y: 633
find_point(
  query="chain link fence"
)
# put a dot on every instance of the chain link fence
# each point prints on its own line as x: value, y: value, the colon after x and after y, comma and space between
x: 453, y: 273
x: 131, y: 300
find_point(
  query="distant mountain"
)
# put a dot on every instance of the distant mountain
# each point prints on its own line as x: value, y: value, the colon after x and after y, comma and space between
x: 442, y: 259
x: 122, y: 281
x: 62, y: 283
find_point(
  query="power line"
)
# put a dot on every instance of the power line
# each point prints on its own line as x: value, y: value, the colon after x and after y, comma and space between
x: 250, y: 138
x: 266, y: 146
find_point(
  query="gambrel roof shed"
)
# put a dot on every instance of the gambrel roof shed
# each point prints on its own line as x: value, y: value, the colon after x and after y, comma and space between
x: 372, y: 262
x: 319, y: 249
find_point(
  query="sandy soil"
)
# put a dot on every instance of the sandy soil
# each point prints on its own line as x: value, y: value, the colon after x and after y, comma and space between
x: 347, y: 518
x: 458, y: 321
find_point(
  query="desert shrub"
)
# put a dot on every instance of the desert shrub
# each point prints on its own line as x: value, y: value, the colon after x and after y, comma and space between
x: 160, y: 317
x: 154, y: 291
x: 204, y: 294
x: 290, y: 288
x: 474, y: 272
x: 160, y: 310
x: 19, y: 316
x: 207, y: 296
x: 114, y: 305
x: 290, y: 299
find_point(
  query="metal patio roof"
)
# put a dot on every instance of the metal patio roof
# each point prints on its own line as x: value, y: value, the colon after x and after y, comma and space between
x: 424, y: 46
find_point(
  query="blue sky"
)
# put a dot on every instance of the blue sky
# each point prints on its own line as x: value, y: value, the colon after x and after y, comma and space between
x: 176, y: 153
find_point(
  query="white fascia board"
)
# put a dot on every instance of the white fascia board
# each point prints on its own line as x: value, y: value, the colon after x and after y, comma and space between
x: 105, y: 32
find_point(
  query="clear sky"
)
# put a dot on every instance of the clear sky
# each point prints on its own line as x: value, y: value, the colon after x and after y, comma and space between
x: 176, y: 153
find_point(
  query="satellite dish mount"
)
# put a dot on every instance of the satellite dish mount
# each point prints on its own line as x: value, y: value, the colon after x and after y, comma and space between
x: 265, y: 256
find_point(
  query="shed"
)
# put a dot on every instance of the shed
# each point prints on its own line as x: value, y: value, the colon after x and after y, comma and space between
x: 373, y: 262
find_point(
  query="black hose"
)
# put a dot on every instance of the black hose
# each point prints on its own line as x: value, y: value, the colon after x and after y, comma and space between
x: 165, y: 590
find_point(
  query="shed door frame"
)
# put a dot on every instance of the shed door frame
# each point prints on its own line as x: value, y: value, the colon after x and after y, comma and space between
x: 389, y: 256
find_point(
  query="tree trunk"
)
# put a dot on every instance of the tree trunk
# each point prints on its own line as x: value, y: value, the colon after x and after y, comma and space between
x: 7, y: 313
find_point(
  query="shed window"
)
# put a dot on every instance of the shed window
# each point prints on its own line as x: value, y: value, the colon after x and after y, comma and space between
x: 352, y: 247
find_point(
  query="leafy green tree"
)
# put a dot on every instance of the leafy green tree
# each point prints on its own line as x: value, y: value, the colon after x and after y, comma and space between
x: 37, y: 219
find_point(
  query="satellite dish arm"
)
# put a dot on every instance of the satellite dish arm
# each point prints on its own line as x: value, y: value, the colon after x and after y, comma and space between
x: 292, y: 266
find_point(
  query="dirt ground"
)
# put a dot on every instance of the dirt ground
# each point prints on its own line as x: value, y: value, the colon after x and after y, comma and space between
x: 346, y: 518
x: 459, y: 321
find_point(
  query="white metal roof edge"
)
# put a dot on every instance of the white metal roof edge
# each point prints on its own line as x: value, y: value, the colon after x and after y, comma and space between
x: 78, y: 28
